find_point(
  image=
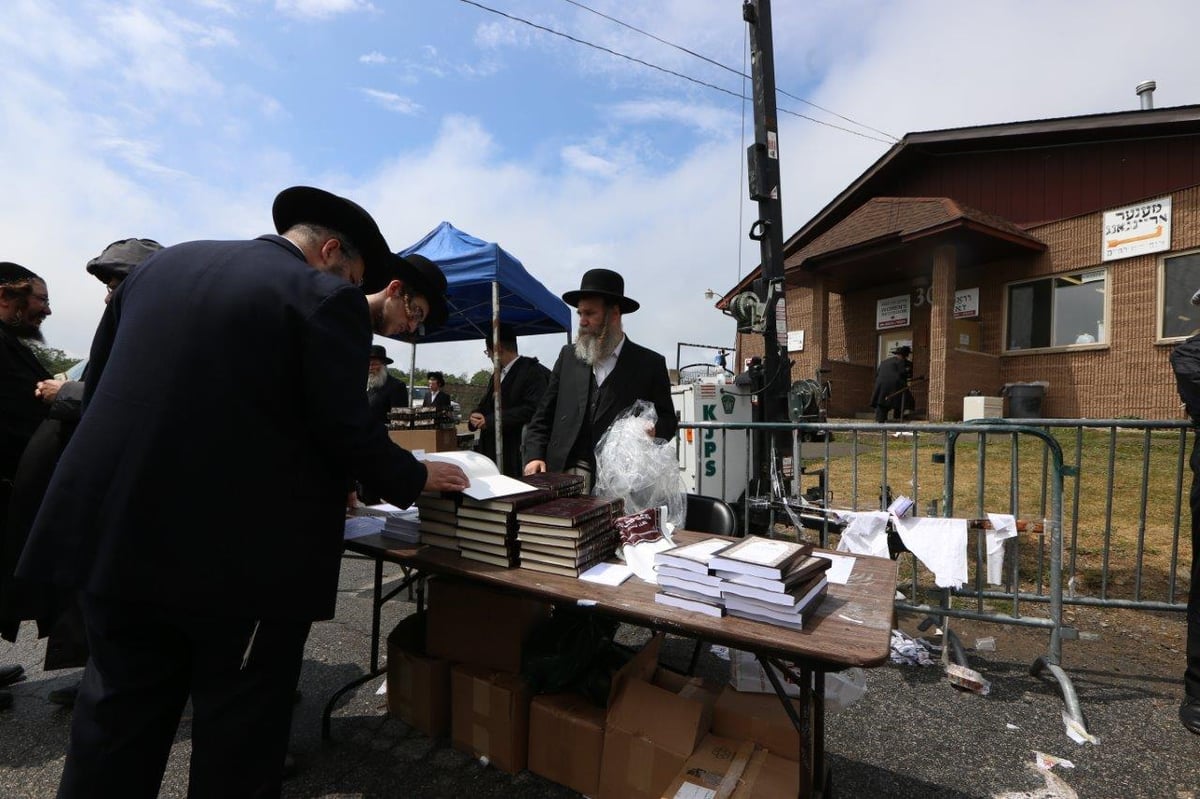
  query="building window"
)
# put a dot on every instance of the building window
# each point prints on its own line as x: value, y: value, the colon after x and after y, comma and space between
x: 1060, y: 311
x: 1180, y: 279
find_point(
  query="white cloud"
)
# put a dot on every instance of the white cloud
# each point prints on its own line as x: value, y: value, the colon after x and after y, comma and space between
x: 702, y: 117
x: 375, y: 57
x: 321, y: 9
x: 578, y: 159
x: 392, y: 101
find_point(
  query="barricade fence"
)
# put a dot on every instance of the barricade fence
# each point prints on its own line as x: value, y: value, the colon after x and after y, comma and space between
x: 1101, y: 508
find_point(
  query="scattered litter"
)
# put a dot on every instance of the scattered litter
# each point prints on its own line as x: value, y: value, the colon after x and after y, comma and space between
x: 844, y: 688
x: 1046, y: 762
x: 721, y: 652
x: 1076, y: 731
x: 985, y: 644
x: 382, y: 690
x: 1011, y: 726
x: 1087, y: 635
x: 901, y: 596
x: 908, y: 651
x: 902, y: 434
x: 850, y: 619
x: 971, y: 680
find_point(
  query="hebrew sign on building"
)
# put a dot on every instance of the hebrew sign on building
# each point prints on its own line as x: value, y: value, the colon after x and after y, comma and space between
x: 1136, y: 230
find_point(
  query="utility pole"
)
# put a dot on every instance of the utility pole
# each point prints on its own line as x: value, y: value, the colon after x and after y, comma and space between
x: 763, y: 176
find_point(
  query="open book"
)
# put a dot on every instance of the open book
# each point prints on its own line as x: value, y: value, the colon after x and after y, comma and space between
x: 486, y: 480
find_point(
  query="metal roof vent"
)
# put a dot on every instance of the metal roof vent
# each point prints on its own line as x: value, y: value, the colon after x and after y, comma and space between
x: 1145, y: 90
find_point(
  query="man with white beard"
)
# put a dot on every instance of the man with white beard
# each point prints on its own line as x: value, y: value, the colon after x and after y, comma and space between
x: 384, y: 392
x: 594, y: 380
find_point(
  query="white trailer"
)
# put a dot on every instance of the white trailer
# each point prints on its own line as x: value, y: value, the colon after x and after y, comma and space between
x: 713, y: 462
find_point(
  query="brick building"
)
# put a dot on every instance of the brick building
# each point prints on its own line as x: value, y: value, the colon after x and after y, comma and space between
x: 1060, y: 250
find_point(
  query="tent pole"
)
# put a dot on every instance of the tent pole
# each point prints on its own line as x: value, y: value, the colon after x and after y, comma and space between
x: 412, y: 372
x: 497, y: 404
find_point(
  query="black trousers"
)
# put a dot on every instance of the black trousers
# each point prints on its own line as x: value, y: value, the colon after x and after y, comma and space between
x: 145, y: 662
x: 1191, y: 677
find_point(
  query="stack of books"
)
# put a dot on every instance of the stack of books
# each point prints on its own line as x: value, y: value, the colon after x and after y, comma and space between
x: 684, y: 580
x: 439, y: 520
x: 402, y: 524
x: 772, y: 581
x: 568, y: 535
x: 487, y: 528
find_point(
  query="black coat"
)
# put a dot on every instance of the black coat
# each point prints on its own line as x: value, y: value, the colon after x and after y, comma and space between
x: 891, y: 376
x: 520, y: 394
x: 392, y: 394
x: 640, y: 374
x: 442, y: 401
x: 188, y: 484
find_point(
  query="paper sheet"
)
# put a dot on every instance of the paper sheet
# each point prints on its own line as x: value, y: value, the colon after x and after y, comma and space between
x: 941, y: 544
x: 839, y: 572
x: 359, y: 526
x: 486, y: 480
x: 607, y: 574
x: 1004, y: 527
x: 866, y: 534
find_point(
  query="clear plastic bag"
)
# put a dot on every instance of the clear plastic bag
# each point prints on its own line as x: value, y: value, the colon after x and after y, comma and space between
x: 635, y: 466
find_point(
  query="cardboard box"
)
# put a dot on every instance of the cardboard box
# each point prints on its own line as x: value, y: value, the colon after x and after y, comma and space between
x: 418, y: 685
x: 714, y: 769
x: 432, y: 440
x: 982, y: 408
x: 746, y: 674
x: 490, y: 716
x: 768, y: 775
x: 469, y: 623
x: 566, y: 740
x: 759, y: 718
x: 655, y: 720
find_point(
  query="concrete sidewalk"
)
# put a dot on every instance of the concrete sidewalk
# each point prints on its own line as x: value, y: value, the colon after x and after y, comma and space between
x: 913, y: 735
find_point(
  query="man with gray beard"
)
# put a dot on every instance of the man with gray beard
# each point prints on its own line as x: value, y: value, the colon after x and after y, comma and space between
x: 594, y: 380
x: 384, y: 392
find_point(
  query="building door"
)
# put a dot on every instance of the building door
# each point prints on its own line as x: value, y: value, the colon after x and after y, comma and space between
x: 890, y: 340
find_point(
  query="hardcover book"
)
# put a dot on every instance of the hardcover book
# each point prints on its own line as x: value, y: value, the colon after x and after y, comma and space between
x: 583, y: 531
x: 483, y: 514
x: 685, y: 574
x: 748, y: 608
x: 672, y: 585
x: 761, y: 557
x: 803, y: 570
x: 692, y: 557
x: 794, y: 602
x: 500, y: 528
x: 570, y: 511
x: 693, y: 605
x: 554, y: 568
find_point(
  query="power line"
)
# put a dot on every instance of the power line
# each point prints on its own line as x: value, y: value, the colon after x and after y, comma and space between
x: 725, y: 67
x: 697, y: 81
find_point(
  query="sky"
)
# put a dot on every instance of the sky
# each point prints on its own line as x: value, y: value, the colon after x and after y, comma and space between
x: 182, y: 120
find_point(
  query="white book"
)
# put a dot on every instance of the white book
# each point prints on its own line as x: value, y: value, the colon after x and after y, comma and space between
x: 689, y: 604
x: 773, y: 611
x: 762, y: 557
x: 685, y: 574
x: 791, y: 622
x: 485, y: 477
x: 692, y: 557
x: 666, y: 583
x: 772, y: 599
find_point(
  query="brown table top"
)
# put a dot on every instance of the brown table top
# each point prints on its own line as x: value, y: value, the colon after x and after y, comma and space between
x: 851, y: 627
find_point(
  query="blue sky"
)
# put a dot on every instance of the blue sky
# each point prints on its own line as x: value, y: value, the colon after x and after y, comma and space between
x: 182, y: 120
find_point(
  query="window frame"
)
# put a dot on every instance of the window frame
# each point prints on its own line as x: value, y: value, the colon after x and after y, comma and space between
x: 1054, y: 348
x: 1161, y: 297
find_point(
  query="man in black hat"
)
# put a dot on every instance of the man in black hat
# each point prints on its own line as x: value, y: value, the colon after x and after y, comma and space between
x: 384, y: 392
x: 190, y: 589
x: 437, y: 398
x: 413, y: 302
x: 891, y: 385
x: 594, y: 379
x: 522, y: 382
x: 24, y: 305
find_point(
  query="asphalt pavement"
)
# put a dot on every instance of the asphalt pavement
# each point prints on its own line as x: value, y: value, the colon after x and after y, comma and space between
x: 912, y: 735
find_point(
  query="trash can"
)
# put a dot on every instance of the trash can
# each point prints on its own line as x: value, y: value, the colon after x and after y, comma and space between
x: 1024, y: 400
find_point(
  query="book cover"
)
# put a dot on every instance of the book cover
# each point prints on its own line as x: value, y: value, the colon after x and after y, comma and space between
x: 640, y: 528
x: 559, y: 484
x: 500, y: 528
x: 483, y: 514
x: 440, y: 528
x: 512, y: 502
x: 693, y: 557
x: 794, y: 602
x: 762, y: 612
x: 439, y: 541
x: 553, y: 568
x: 605, y: 544
x: 467, y: 545
x: 669, y: 584
x: 565, y: 543
x: 448, y: 503
x: 436, y: 515
x: 465, y: 533
x: 803, y: 570
x: 693, y: 605
x: 763, y: 557
x: 570, y: 511
x: 483, y: 557
x: 687, y: 574
x: 791, y: 622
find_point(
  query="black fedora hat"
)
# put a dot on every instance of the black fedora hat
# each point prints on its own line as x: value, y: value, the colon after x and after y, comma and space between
x: 13, y: 273
x: 120, y: 257
x: 301, y: 204
x: 378, y: 352
x: 602, y: 283
x: 422, y: 276
x: 903, y: 349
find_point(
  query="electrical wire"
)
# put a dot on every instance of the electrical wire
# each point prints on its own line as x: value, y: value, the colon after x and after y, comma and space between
x: 725, y: 67
x: 689, y: 78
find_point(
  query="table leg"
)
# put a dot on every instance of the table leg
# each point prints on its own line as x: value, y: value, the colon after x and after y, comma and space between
x: 809, y: 722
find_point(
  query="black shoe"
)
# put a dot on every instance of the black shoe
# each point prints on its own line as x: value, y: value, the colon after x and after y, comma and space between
x: 11, y: 674
x: 1189, y: 713
x: 64, y: 696
x: 5, y: 700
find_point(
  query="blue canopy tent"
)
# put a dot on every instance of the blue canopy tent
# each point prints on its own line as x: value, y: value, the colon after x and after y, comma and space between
x: 487, y: 285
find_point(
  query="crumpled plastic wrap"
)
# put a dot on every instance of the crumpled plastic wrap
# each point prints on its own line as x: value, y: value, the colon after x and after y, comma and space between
x: 635, y: 466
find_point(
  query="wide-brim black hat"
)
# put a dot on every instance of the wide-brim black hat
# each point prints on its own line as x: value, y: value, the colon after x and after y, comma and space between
x: 120, y: 257
x: 903, y: 349
x: 422, y: 276
x: 301, y: 204
x: 378, y: 352
x: 602, y: 283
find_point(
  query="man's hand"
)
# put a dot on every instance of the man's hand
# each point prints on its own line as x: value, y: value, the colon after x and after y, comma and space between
x: 477, y: 421
x: 534, y: 467
x: 442, y: 476
x: 47, y: 390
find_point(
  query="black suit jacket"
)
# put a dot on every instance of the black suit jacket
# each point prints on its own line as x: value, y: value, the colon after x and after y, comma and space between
x: 442, y: 401
x: 20, y: 411
x: 392, y: 394
x: 640, y: 374
x: 520, y: 394
x: 188, y: 484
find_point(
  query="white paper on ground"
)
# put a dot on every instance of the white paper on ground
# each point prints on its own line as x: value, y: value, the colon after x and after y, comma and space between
x: 1076, y: 732
x: 607, y: 574
x: 866, y: 534
x: 839, y: 572
x: 1004, y: 527
x: 941, y: 544
x: 359, y: 526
